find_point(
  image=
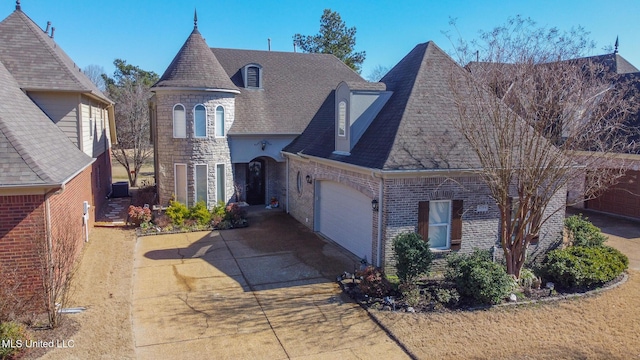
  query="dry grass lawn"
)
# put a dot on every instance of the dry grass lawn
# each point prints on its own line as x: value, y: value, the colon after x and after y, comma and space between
x: 119, y: 173
x: 604, y: 326
x: 601, y: 326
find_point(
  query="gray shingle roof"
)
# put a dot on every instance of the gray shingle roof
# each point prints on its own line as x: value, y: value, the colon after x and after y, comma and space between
x: 195, y: 66
x: 33, y: 150
x: 36, y: 61
x: 295, y: 85
x: 615, y: 62
x: 414, y: 130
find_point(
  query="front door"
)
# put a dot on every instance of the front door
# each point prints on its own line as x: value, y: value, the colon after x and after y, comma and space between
x: 255, y: 182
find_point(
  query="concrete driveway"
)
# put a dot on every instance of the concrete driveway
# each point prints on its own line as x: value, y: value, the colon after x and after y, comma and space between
x: 623, y: 234
x: 264, y: 292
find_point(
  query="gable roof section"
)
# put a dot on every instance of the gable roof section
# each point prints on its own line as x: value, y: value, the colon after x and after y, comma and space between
x: 195, y: 66
x: 33, y: 150
x: 413, y: 131
x: 36, y: 62
x: 614, y: 62
x: 294, y: 88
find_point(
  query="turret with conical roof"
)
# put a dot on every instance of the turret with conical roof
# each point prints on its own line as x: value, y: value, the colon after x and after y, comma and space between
x: 196, y: 67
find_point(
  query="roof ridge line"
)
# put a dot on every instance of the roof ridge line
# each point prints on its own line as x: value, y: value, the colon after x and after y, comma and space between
x: 39, y: 35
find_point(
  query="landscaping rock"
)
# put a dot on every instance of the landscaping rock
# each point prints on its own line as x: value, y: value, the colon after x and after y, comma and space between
x: 410, y: 309
x: 513, y: 298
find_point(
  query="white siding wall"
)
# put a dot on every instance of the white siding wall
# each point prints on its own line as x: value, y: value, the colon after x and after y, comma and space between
x: 62, y: 108
x: 95, y: 130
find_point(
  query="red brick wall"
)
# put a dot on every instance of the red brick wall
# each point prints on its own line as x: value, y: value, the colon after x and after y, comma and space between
x: 22, y: 227
x: 67, y: 207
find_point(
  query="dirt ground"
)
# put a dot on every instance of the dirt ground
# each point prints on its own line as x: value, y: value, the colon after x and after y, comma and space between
x: 103, y: 286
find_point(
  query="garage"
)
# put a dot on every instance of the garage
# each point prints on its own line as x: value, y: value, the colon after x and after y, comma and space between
x: 344, y: 215
x: 621, y: 199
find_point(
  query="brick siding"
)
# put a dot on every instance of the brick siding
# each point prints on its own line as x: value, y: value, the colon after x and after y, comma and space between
x: 399, y: 206
x: 23, y: 229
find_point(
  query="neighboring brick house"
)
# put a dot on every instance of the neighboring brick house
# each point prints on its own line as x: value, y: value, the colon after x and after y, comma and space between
x: 623, y: 198
x: 55, y: 131
x: 358, y: 162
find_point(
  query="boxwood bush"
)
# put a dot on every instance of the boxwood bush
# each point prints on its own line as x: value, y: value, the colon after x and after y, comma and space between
x: 413, y: 256
x: 582, y: 266
x: 477, y: 278
x: 583, y: 232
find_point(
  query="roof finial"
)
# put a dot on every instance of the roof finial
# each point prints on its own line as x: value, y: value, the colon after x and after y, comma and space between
x: 615, y: 51
x: 18, y: 5
x: 195, y: 18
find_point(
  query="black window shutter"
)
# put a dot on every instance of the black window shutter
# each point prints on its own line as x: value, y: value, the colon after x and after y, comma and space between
x: 423, y: 220
x: 456, y: 224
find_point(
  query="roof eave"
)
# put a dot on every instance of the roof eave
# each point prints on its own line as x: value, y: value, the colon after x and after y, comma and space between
x: 180, y: 88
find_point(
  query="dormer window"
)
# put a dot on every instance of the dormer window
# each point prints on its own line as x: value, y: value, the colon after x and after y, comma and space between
x: 252, y: 76
x: 342, y: 118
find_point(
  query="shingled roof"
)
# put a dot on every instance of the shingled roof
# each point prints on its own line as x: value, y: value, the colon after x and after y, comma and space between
x: 195, y: 66
x: 36, y: 62
x: 33, y: 150
x: 414, y: 130
x: 295, y: 86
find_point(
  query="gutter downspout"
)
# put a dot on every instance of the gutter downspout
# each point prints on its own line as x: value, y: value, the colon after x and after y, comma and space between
x: 381, y: 206
x: 287, y: 185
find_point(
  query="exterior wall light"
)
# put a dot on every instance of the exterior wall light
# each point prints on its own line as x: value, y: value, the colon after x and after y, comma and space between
x: 308, y: 177
x: 374, y: 205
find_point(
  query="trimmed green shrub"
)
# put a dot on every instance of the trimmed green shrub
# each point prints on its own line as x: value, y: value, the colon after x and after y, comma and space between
x: 477, y: 278
x: 581, y: 266
x: 583, y: 232
x: 413, y: 256
x: 12, y: 331
x: 177, y: 212
x: 200, y: 213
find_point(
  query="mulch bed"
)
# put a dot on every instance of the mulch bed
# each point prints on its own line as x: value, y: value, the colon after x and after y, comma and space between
x: 395, y: 302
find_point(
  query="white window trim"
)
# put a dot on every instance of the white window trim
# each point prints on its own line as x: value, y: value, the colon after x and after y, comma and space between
x: 206, y: 123
x: 224, y: 122
x: 225, y: 182
x: 175, y: 181
x: 173, y: 121
x: 447, y: 224
x: 195, y: 182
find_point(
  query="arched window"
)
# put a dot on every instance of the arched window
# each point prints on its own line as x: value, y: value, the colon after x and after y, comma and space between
x: 200, y: 121
x: 220, y: 122
x: 342, y: 118
x: 179, y: 122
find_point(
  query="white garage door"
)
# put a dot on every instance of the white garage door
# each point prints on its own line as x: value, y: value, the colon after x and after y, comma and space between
x: 344, y: 215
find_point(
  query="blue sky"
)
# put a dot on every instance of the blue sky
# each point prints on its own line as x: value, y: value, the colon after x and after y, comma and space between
x: 148, y: 33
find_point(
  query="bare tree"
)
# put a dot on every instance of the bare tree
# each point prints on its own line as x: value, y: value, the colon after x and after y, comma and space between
x: 58, y: 254
x: 132, y: 120
x: 94, y: 73
x: 377, y: 73
x: 554, y: 119
x: 129, y: 88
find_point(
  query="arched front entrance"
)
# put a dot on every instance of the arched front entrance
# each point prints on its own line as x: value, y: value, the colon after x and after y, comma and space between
x: 256, y: 182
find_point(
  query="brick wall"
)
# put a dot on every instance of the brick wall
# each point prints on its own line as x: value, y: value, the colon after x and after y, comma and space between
x: 192, y: 150
x: 399, y: 206
x: 22, y: 229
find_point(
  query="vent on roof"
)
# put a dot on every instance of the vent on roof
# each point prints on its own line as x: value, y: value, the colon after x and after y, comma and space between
x: 252, y: 76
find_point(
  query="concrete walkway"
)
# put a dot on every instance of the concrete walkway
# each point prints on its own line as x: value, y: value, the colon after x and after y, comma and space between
x: 263, y: 292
